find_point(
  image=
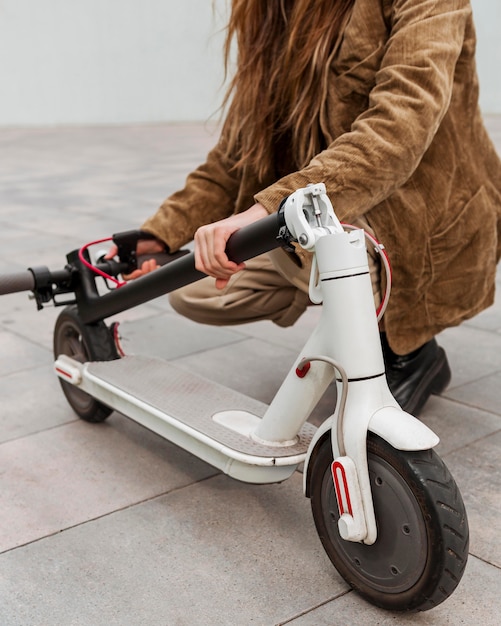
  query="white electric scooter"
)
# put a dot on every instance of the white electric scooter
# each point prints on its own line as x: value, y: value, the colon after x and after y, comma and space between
x: 386, y: 508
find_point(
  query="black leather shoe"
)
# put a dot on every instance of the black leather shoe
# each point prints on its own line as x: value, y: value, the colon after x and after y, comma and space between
x: 413, y: 377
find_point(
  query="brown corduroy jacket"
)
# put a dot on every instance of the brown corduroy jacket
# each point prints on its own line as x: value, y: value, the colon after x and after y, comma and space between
x: 407, y: 147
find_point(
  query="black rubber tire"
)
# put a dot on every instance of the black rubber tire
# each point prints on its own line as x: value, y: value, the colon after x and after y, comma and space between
x: 83, y: 342
x: 421, y: 550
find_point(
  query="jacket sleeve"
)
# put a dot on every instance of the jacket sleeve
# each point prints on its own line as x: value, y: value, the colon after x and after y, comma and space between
x: 411, y: 94
x: 209, y: 195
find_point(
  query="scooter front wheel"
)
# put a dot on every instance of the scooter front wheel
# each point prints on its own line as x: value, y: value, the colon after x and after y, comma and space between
x: 421, y: 549
x: 83, y: 342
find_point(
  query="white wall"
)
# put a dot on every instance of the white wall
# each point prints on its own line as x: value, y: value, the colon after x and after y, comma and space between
x: 119, y: 61
x: 487, y: 15
x: 98, y: 61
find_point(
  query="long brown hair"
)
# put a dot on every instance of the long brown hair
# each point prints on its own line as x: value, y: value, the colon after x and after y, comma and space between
x: 280, y: 84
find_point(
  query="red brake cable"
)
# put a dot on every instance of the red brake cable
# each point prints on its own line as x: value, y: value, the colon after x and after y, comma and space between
x: 94, y: 269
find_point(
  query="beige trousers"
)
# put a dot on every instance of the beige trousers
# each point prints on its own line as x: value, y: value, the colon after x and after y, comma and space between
x: 271, y: 287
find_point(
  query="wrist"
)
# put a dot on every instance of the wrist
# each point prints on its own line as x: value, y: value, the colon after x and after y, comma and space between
x: 257, y: 211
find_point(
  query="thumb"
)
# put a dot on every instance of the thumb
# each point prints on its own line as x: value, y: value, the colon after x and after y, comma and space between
x: 113, y: 251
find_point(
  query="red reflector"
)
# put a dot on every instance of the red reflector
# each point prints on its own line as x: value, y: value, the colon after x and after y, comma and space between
x: 64, y: 373
x: 302, y: 371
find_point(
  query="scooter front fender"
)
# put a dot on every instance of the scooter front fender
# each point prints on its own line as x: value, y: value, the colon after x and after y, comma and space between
x: 400, y: 429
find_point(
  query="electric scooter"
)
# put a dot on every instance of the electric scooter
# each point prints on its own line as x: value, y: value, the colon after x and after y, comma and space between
x: 386, y: 508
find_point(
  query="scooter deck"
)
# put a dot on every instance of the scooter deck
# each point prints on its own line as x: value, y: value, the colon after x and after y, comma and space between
x: 184, y: 408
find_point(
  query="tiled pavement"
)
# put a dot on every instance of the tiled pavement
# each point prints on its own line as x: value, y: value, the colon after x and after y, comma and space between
x: 110, y: 524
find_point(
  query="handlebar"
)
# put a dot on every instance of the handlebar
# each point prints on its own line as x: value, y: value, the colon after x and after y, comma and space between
x: 39, y: 278
x: 19, y: 281
x: 246, y: 243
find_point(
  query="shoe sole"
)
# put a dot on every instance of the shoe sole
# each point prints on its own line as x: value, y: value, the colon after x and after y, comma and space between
x: 434, y: 382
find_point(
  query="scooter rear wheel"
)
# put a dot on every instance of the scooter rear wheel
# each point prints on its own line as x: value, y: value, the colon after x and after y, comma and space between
x: 421, y: 550
x: 83, y: 342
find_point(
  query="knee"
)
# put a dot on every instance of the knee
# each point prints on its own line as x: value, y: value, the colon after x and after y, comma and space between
x: 178, y: 302
x: 198, y: 303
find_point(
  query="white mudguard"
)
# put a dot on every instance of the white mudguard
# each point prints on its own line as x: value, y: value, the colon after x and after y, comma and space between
x: 400, y: 429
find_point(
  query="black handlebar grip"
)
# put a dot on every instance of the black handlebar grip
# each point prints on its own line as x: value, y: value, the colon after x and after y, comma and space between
x: 257, y: 238
x: 20, y: 281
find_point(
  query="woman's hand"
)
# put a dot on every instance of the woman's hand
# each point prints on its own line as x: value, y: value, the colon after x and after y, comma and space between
x: 210, y: 244
x: 144, y: 247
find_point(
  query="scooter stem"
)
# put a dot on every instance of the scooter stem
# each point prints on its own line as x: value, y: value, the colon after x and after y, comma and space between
x: 347, y: 334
